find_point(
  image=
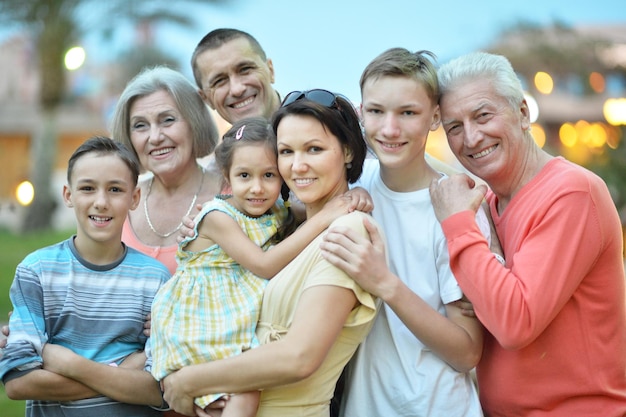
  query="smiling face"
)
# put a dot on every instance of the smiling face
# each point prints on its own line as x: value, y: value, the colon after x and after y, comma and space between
x: 254, y: 179
x: 485, y: 133
x: 397, y: 116
x: 311, y: 160
x: 160, y: 135
x: 101, y: 192
x: 237, y: 82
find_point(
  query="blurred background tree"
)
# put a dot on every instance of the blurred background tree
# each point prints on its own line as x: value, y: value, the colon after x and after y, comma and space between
x: 57, y: 25
x: 586, y: 67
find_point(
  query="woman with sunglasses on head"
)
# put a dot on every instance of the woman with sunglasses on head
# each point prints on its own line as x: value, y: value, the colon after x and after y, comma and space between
x: 313, y: 316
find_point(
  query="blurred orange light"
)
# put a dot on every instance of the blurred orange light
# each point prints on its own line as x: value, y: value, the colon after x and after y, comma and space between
x: 538, y: 134
x: 614, y: 136
x: 583, y: 131
x: 578, y: 153
x: 596, y: 81
x: 597, y: 135
x: 568, y: 135
x: 544, y: 82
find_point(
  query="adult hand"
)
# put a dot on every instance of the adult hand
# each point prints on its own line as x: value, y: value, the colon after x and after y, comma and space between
x: 3, y: 340
x: 5, y: 333
x: 494, y: 243
x: 451, y: 195
x: 176, y: 397
x: 362, y: 258
x: 147, y: 325
x: 466, y: 307
x: 186, y: 230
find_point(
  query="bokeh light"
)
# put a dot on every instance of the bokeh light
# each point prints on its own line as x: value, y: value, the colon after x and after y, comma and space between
x: 533, y: 107
x: 613, y: 136
x: 597, y: 135
x: 538, y: 134
x: 567, y: 135
x: 544, y: 82
x: 74, y: 58
x: 597, y: 82
x: 24, y: 193
x: 614, y: 110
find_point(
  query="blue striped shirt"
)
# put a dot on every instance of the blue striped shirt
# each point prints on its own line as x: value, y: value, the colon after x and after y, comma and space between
x: 97, y: 311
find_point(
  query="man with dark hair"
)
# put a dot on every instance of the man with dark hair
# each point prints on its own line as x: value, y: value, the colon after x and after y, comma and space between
x: 234, y: 76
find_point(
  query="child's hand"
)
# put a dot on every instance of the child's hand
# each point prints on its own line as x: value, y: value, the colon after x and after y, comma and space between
x: 186, y: 230
x: 360, y: 200
x: 335, y: 208
x: 214, y: 409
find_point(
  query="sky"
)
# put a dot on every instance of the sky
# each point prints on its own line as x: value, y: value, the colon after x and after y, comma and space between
x: 327, y: 43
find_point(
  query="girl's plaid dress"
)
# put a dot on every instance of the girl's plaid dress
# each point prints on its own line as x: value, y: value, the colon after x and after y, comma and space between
x: 209, y: 309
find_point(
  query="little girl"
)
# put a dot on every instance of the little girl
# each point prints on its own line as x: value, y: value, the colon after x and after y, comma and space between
x: 209, y: 309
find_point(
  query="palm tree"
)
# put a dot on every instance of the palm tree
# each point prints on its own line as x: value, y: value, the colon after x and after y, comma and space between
x: 56, y: 25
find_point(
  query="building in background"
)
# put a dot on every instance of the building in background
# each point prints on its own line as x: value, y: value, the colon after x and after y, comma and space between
x: 575, y: 76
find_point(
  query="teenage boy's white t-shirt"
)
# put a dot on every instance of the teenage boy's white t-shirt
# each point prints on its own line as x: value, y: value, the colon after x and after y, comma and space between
x: 393, y: 373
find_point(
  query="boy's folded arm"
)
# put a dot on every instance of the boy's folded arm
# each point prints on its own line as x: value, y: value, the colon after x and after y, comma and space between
x: 39, y: 384
x: 127, y: 383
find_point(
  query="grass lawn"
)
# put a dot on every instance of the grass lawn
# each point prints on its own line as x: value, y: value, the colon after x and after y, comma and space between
x: 13, y: 249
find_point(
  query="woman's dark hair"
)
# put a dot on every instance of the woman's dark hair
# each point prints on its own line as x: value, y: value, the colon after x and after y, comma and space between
x: 340, y: 119
x: 252, y: 131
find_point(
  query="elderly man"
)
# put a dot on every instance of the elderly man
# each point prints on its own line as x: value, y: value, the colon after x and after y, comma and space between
x: 555, y: 310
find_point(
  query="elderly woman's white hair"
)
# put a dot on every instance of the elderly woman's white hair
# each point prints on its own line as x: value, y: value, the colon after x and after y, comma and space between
x: 188, y: 102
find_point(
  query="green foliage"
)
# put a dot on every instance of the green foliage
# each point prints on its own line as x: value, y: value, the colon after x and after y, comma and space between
x: 567, y: 53
x: 611, y: 166
x: 13, y: 249
x: 9, y: 407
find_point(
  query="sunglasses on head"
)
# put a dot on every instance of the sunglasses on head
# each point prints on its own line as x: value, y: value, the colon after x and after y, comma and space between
x: 319, y: 96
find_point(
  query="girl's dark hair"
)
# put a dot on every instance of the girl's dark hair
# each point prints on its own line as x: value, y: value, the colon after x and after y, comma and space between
x: 340, y: 119
x: 103, y: 145
x: 253, y: 131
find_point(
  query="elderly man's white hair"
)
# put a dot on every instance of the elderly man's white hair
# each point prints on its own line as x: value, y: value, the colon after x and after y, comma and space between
x: 482, y: 65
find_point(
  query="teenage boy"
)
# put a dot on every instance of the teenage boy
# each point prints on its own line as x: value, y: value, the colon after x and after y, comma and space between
x: 79, y: 305
x: 417, y: 357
